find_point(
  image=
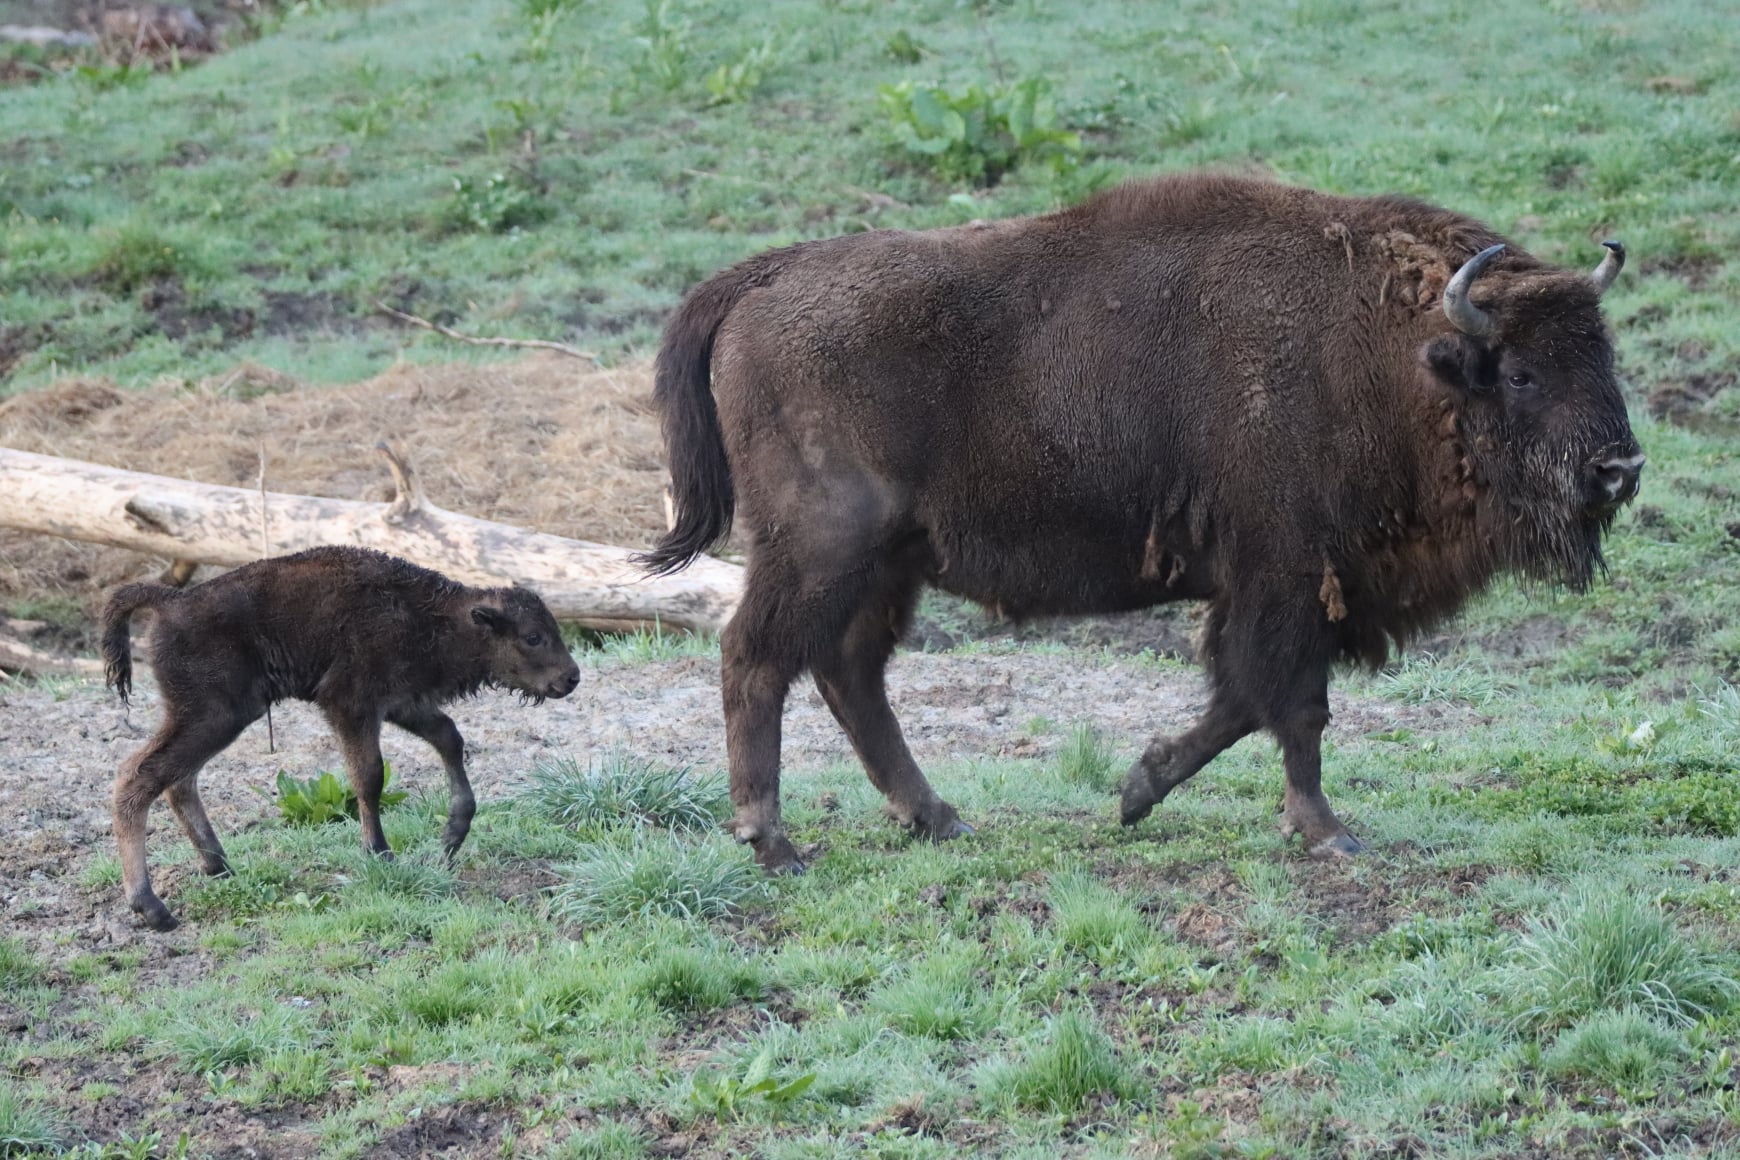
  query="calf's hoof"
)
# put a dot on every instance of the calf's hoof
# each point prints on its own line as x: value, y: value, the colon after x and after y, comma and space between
x: 217, y: 869
x: 155, y: 915
x: 776, y: 855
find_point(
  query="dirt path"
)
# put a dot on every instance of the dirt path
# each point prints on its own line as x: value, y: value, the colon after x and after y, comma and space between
x: 59, y: 748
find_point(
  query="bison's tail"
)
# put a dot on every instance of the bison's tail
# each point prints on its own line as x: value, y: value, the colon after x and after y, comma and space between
x: 682, y: 387
x: 117, y: 649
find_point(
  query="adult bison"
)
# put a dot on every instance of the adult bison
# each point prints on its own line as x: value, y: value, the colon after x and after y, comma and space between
x: 1333, y: 419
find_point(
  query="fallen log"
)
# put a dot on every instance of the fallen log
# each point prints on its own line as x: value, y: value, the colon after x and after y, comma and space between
x: 592, y: 585
x: 17, y: 657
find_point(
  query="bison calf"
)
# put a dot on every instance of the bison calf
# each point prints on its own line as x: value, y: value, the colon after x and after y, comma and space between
x: 365, y: 636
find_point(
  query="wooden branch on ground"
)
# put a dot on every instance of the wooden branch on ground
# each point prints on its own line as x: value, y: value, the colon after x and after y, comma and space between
x: 592, y: 585
x: 473, y: 340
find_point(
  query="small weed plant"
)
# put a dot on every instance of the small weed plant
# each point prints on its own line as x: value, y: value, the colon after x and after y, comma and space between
x: 494, y: 204
x: 977, y: 135
x: 325, y: 798
x: 724, y: 1096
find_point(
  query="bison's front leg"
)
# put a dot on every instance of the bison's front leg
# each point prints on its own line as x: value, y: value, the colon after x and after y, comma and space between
x: 359, y: 739
x: 1171, y: 761
x: 1305, y: 810
x: 438, y: 729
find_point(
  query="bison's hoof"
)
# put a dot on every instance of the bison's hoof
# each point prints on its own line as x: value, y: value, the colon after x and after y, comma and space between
x: 216, y: 869
x: 955, y: 828
x: 1138, y: 799
x: 1342, y: 845
x: 776, y: 855
x: 939, y: 823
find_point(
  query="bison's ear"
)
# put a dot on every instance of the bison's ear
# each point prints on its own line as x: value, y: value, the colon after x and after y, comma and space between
x: 493, y: 619
x: 1456, y: 361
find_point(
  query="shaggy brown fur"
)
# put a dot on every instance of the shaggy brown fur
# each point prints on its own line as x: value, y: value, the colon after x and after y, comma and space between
x: 365, y: 636
x: 1194, y: 388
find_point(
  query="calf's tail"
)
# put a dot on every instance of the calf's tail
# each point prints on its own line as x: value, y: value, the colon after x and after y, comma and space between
x: 117, y: 649
x: 694, y: 447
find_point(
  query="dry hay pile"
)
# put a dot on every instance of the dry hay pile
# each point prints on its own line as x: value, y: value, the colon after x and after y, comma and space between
x: 540, y: 443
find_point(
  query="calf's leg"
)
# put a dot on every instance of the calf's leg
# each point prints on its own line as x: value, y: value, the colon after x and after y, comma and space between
x: 190, y: 811
x: 359, y: 739
x: 172, y: 758
x: 438, y: 729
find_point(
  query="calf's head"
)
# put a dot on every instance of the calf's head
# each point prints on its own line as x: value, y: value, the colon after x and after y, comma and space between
x: 1539, y: 411
x: 522, y: 647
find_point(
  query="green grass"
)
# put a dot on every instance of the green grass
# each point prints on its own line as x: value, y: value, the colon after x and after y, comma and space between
x: 566, y: 173
x: 25, y: 1125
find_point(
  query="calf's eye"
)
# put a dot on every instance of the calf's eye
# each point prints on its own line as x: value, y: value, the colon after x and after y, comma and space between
x: 534, y: 639
x: 1521, y: 381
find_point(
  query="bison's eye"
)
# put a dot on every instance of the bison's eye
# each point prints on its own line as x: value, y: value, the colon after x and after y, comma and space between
x: 534, y: 639
x: 1520, y: 381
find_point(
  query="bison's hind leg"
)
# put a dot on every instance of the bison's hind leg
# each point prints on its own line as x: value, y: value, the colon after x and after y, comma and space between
x: 190, y: 811
x: 851, y: 678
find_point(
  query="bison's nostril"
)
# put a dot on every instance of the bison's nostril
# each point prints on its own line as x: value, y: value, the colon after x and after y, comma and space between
x: 1618, y: 475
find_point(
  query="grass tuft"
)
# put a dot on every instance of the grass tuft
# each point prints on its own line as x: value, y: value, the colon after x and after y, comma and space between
x: 1609, y: 952
x: 605, y: 1140
x: 1426, y: 678
x: 1075, y: 1063
x: 213, y: 1038
x: 1624, y: 1049
x: 18, y: 967
x: 687, y: 978
x: 1093, y: 918
x: 657, y: 875
x: 1087, y: 760
x: 622, y: 788
x: 936, y: 1000
x: 422, y: 879
x: 25, y: 1128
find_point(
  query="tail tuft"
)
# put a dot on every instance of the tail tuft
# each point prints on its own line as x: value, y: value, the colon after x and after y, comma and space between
x: 117, y: 648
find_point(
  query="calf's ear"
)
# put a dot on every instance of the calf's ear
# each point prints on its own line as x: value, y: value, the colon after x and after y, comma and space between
x: 1455, y: 361
x: 493, y: 619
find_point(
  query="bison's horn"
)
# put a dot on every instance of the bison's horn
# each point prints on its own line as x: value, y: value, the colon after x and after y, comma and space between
x: 1612, y: 262
x: 1463, y: 314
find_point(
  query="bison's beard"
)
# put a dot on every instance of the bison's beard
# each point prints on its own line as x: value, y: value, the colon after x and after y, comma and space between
x: 1540, y: 526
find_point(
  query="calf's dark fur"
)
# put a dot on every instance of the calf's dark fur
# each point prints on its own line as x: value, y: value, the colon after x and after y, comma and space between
x: 365, y: 636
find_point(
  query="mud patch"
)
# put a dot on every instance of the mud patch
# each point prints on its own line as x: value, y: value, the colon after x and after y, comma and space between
x: 167, y: 303
x: 1684, y: 401
x: 454, y: 1130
